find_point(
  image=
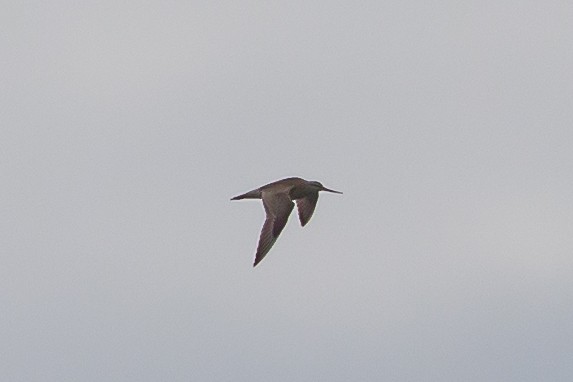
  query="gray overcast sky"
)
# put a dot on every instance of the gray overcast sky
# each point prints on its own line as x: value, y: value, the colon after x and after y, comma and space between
x: 125, y: 127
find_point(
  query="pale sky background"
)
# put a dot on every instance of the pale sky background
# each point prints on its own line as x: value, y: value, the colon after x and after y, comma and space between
x: 126, y: 126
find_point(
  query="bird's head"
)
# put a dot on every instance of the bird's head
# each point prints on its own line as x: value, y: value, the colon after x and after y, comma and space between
x: 320, y: 187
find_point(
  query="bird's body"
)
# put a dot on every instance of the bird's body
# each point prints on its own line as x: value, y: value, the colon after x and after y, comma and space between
x: 278, y: 202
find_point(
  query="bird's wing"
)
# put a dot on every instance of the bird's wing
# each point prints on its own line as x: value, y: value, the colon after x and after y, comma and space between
x: 306, y: 207
x: 278, y: 208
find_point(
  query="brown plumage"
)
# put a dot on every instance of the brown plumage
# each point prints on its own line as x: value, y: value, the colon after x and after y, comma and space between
x: 278, y: 203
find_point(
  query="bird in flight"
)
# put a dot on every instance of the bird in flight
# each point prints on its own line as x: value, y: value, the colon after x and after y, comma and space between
x: 278, y: 202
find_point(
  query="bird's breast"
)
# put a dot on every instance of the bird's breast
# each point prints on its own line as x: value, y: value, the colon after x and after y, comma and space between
x: 297, y: 193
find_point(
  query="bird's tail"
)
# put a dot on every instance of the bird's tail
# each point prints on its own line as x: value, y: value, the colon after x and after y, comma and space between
x: 255, y: 194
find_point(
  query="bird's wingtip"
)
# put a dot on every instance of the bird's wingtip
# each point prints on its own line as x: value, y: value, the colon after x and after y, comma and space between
x: 257, y: 260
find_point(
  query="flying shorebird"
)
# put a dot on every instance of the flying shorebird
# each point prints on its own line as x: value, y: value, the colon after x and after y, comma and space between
x: 278, y: 202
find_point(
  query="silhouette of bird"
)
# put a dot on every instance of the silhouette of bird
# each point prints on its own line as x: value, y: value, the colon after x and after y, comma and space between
x: 278, y: 202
